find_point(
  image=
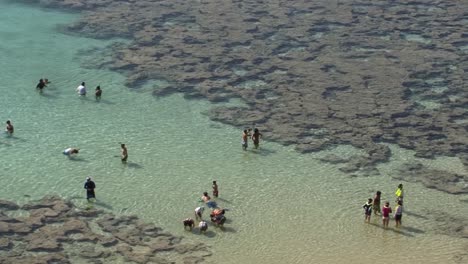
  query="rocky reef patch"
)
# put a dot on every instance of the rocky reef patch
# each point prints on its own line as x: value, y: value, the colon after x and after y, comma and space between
x: 361, y: 73
x: 53, y: 230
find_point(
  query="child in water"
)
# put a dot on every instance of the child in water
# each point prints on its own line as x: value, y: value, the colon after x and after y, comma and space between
x: 215, y: 189
x: 386, y: 211
x: 367, y: 210
x: 9, y: 128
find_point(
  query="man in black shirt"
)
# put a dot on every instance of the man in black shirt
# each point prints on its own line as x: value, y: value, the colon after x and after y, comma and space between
x: 41, y: 85
x: 89, y: 186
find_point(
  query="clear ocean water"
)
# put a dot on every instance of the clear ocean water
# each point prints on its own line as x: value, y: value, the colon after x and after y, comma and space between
x: 285, y: 207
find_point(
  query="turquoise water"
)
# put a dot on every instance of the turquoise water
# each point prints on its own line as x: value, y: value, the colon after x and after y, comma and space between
x: 284, y: 207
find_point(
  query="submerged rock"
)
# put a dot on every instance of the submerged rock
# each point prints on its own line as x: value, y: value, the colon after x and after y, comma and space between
x: 55, y: 231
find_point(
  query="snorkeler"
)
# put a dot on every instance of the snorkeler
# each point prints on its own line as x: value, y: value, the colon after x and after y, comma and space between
x: 70, y: 152
x: 9, y: 128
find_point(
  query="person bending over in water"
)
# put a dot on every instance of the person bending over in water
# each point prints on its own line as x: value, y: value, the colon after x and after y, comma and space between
x: 90, y: 186
x: 9, y: 128
x: 256, y: 137
x: 98, y: 92
x: 199, y: 212
x: 124, y: 155
x: 203, y: 225
x: 81, y: 89
x: 70, y: 152
x: 188, y: 222
x: 41, y: 85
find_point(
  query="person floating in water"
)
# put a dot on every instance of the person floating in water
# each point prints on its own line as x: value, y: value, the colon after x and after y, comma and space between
x: 70, y: 152
x: 215, y: 189
x: 376, y: 203
x: 90, y: 186
x: 81, y: 89
x: 98, y: 93
x: 256, y: 137
x: 9, y: 128
x: 188, y: 222
x: 207, y: 200
x: 399, y: 193
x: 203, y: 225
x: 41, y: 85
x: 367, y: 210
x: 124, y: 155
x: 386, y: 211
x: 245, y: 138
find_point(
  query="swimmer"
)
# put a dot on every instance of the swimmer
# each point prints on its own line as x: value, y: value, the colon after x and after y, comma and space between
x: 367, y: 210
x: 9, y: 128
x: 98, y: 92
x: 90, y: 186
x: 205, y: 198
x: 188, y: 222
x: 245, y: 137
x: 124, y: 155
x: 203, y: 225
x: 215, y: 189
x: 46, y: 81
x: 41, y: 85
x: 386, y: 211
x: 376, y: 203
x: 256, y: 137
x: 81, y: 89
x: 199, y: 212
x: 70, y: 152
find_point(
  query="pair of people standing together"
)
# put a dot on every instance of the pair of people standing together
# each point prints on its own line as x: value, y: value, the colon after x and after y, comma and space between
x: 255, y: 138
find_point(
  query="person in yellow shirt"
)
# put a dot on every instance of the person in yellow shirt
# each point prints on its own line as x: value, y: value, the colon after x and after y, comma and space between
x: 399, y: 193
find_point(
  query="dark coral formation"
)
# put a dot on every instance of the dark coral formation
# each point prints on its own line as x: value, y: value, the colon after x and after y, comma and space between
x: 358, y: 72
x: 55, y: 231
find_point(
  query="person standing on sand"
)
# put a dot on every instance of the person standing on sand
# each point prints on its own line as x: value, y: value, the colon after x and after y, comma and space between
x: 386, y: 211
x: 124, y: 155
x: 81, y: 89
x: 256, y: 137
x: 367, y: 210
x: 90, y: 186
x: 215, y: 189
x: 398, y: 213
x: 9, y: 128
x: 376, y: 203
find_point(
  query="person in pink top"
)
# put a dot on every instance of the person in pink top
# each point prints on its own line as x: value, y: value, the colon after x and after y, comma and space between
x: 386, y: 211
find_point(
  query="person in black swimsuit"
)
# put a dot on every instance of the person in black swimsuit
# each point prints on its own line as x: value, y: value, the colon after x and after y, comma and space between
x: 41, y: 85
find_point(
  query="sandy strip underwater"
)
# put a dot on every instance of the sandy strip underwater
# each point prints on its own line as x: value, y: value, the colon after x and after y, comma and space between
x: 285, y: 207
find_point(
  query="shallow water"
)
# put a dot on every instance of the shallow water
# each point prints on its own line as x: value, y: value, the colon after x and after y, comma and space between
x: 284, y: 207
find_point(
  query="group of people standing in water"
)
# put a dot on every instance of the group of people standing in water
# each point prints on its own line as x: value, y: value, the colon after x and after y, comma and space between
x: 216, y: 216
x: 255, y: 136
x: 81, y: 89
x: 373, y: 205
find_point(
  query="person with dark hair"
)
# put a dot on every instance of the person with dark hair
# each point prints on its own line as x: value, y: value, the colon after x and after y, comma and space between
x: 386, y: 211
x: 81, y: 89
x: 41, y: 85
x: 90, y: 186
x: 398, y: 213
x: 215, y: 189
x: 9, y: 128
x: 399, y: 193
x: 367, y: 210
x: 188, y: 222
x: 124, y: 155
x: 245, y: 137
x: 98, y: 92
x: 199, y: 212
x: 70, y: 152
x: 376, y: 203
x: 256, y: 137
